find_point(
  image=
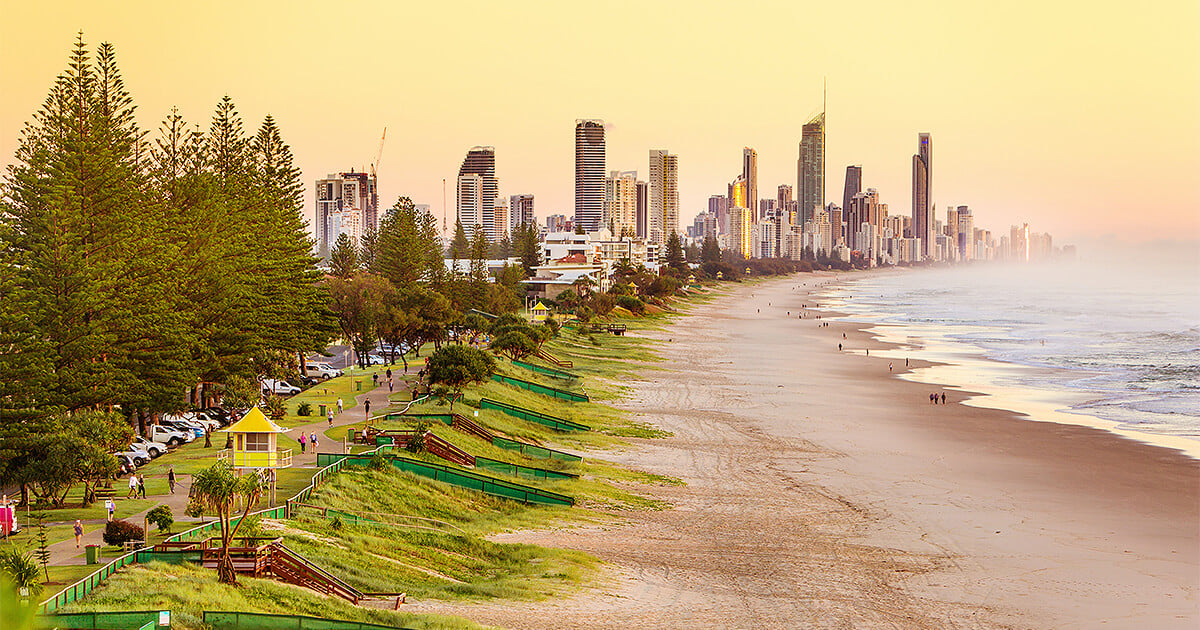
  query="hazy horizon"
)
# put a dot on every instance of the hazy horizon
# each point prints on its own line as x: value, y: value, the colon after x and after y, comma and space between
x: 1069, y: 122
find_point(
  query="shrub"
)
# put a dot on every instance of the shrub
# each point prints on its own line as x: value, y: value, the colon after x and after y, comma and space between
x: 162, y: 518
x: 304, y: 409
x: 251, y: 526
x: 417, y: 444
x: 336, y: 524
x: 118, y: 532
x: 378, y: 462
x: 20, y: 568
x: 631, y: 304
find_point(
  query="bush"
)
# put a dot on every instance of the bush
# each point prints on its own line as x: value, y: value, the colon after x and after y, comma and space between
x: 379, y: 461
x: 304, y: 409
x: 20, y: 568
x: 162, y: 518
x: 336, y: 524
x: 118, y: 532
x: 251, y: 526
x: 631, y: 304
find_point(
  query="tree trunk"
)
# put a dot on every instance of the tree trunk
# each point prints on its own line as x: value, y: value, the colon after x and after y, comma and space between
x: 225, y: 572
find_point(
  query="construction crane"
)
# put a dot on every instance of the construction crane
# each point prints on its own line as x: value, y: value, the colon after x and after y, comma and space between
x: 379, y: 154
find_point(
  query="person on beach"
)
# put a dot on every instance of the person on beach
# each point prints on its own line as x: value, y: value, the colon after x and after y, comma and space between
x: 111, y: 506
x: 133, y: 487
x: 839, y: 347
x: 931, y: 398
x: 905, y: 361
x: 301, y: 440
x: 943, y: 398
x: 889, y: 366
x: 339, y: 403
x: 171, y: 479
x: 78, y: 532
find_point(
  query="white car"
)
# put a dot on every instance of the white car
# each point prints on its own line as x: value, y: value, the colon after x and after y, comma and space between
x: 322, y: 371
x: 138, y: 455
x: 282, y: 388
x: 174, y: 431
x: 209, y: 421
x: 153, y: 448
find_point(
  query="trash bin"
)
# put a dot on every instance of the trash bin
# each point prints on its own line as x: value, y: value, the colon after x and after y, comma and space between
x: 358, y: 386
x: 322, y: 410
x: 93, y: 554
x: 350, y: 435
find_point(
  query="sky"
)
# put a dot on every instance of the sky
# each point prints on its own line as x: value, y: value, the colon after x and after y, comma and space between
x: 1079, y: 118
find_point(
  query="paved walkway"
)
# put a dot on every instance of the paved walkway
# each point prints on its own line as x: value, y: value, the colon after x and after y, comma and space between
x: 65, y: 552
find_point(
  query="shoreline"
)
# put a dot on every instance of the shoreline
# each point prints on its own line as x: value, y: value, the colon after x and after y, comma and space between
x: 1036, y: 404
x: 822, y: 492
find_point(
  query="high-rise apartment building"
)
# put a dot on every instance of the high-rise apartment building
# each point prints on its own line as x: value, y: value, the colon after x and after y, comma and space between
x: 589, y: 173
x: 750, y: 175
x: 741, y: 219
x: 922, y: 189
x: 810, y: 168
x: 966, y: 234
x: 853, y: 187
x: 664, y: 195
x: 643, y: 209
x: 520, y: 210
x: 783, y: 201
x: 718, y: 208
x: 340, y: 193
x: 620, y: 203
x: 478, y: 192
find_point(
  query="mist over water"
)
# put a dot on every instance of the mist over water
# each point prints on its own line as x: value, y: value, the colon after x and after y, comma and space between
x: 1120, y: 343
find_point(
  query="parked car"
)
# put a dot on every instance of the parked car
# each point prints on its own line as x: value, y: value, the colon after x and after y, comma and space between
x: 125, y: 461
x: 221, y: 414
x: 281, y: 388
x: 303, y: 382
x: 205, y: 419
x: 138, y: 455
x: 322, y: 371
x: 154, y: 448
x: 174, y: 431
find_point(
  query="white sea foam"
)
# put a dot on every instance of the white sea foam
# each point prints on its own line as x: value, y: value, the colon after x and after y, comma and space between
x: 1115, y: 348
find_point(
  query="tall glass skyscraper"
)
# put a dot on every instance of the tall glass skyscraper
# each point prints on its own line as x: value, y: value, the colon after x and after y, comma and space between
x: 589, y: 173
x: 810, y: 168
x: 664, y: 195
x: 922, y: 187
x: 477, y: 192
x: 750, y: 176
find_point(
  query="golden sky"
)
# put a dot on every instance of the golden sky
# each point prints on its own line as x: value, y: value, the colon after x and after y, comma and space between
x: 1080, y: 118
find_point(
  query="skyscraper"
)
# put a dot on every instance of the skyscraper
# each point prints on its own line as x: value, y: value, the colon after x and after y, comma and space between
x: 810, y: 168
x: 344, y: 193
x: 643, y: 209
x: 664, y: 195
x: 620, y: 203
x: 750, y: 175
x: 520, y: 210
x: 741, y: 219
x: 853, y: 187
x: 718, y: 208
x: 477, y: 194
x: 589, y: 173
x: 922, y: 187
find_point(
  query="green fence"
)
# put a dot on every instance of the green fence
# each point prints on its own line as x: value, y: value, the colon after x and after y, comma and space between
x: 533, y: 450
x: 558, y: 424
x: 223, y: 620
x: 122, y: 620
x: 517, y: 470
x: 546, y: 370
x: 469, y: 480
x: 538, y: 388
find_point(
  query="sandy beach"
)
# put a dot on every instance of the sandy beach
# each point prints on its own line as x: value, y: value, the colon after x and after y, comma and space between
x: 824, y: 492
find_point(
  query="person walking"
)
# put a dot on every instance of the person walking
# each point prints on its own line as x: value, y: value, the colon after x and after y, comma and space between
x: 339, y: 403
x: 329, y: 416
x: 78, y: 532
x: 111, y: 506
x: 312, y: 438
x: 943, y: 398
x: 171, y: 479
x: 142, y: 485
x: 389, y: 373
x: 389, y: 384
x: 133, y: 486
x: 367, y: 409
x: 301, y: 440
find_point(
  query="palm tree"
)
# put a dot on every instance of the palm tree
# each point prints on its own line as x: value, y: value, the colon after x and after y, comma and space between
x: 218, y: 488
x: 583, y: 285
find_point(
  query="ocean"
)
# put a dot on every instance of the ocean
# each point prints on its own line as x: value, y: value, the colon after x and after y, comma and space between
x: 1115, y: 347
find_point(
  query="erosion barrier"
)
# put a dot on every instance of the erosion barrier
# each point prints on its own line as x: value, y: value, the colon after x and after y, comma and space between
x: 538, y: 388
x: 545, y: 419
x: 466, y: 425
x: 117, y: 620
x: 231, y: 620
x: 533, y: 450
x: 467, y: 479
x: 517, y: 470
x: 541, y: 369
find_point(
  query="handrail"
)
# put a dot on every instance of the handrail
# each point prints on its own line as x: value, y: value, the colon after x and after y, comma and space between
x: 295, y: 557
x: 450, y: 452
x: 542, y: 354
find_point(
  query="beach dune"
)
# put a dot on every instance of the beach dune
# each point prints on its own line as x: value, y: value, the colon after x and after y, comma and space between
x: 824, y: 492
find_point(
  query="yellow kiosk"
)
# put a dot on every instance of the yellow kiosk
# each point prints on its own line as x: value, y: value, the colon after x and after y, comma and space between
x: 540, y: 312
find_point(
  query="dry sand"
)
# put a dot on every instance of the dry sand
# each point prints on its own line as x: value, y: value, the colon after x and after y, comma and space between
x: 822, y: 492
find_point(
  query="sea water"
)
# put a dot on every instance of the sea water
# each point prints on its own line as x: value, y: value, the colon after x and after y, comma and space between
x: 1116, y: 347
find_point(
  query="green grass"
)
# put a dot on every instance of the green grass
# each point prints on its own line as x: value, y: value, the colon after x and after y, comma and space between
x: 188, y: 590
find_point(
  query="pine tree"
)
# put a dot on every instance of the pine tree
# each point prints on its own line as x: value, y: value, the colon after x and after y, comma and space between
x: 674, y: 255
x: 459, y: 245
x: 343, y: 260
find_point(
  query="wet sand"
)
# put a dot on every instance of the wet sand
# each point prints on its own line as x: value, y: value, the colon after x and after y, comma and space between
x: 823, y: 492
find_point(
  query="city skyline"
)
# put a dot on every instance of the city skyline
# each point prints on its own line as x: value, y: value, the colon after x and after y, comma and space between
x: 1013, y: 142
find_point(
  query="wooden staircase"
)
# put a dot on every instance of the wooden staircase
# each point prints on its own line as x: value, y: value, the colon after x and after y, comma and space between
x: 546, y: 356
x: 293, y: 568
